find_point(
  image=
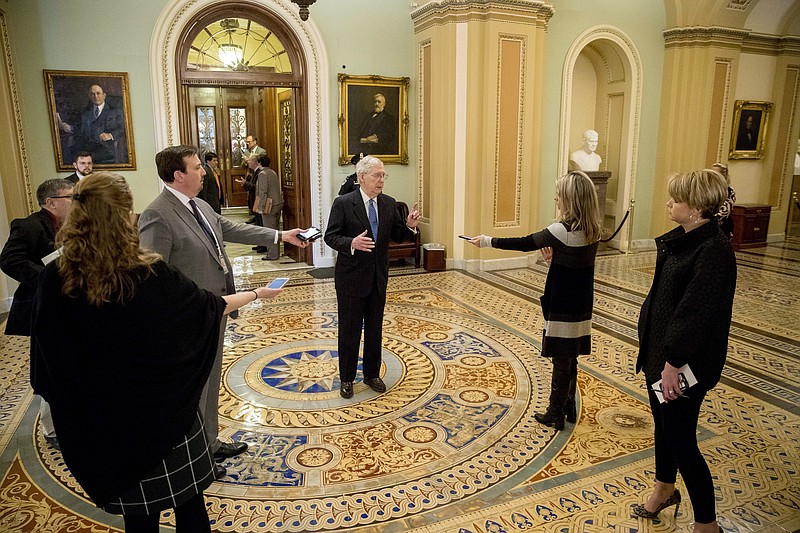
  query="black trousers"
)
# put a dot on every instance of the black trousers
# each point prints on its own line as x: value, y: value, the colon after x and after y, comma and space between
x: 190, y: 517
x: 353, y: 312
x: 676, y: 449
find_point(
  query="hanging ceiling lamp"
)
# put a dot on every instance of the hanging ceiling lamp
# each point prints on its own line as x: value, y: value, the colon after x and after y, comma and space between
x: 230, y: 54
x: 304, y: 5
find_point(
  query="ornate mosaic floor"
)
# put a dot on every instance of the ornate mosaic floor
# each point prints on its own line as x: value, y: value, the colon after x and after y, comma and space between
x: 452, y: 445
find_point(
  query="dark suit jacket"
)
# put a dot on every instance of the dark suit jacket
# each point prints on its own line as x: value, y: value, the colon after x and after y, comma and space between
x: 211, y: 193
x: 384, y: 126
x: 348, y: 219
x: 112, y: 121
x: 73, y: 178
x: 30, y: 239
x: 269, y: 186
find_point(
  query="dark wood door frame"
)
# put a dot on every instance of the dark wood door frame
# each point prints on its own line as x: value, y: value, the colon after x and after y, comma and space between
x: 295, y: 79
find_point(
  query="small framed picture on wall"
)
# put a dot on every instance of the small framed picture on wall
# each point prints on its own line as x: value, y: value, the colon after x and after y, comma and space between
x: 373, y: 118
x: 749, y: 133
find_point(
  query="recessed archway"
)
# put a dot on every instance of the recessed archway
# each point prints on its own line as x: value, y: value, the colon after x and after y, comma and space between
x: 601, y: 88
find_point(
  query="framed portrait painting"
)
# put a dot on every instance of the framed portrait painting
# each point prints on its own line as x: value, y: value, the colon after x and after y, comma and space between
x: 749, y: 133
x: 90, y: 112
x: 373, y: 118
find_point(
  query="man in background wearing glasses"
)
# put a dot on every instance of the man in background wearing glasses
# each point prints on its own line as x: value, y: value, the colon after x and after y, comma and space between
x: 360, y: 226
x: 31, y: 240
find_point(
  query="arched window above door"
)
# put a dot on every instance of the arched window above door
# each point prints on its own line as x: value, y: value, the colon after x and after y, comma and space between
x: 226, y: 47
x: 239, y: 45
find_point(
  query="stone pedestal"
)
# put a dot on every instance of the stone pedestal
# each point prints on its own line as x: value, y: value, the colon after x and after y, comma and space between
x: 600, y: 180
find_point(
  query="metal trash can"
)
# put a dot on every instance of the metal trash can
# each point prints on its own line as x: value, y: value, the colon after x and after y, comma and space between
x: 433, y: 259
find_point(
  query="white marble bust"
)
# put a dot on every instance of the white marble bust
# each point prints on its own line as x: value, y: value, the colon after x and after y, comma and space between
x: 586, y: 159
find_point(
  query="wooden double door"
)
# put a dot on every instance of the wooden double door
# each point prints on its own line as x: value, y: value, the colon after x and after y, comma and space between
x: 219, y: 120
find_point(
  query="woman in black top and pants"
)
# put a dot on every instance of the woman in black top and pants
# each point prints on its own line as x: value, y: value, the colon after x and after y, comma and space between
x: 685, y: 319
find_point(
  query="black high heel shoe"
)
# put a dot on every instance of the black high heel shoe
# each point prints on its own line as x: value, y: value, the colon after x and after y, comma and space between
x: 638, y: 510
x: 550, y: 420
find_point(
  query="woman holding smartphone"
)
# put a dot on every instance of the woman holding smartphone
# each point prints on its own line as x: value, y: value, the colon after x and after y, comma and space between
x: 570, y: 245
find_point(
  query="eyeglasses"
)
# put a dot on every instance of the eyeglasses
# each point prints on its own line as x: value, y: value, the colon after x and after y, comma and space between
x: 62, y: 196
x: 380, y: 175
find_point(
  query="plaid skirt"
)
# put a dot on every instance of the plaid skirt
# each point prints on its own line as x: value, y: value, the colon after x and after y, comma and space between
x: 187, y: 470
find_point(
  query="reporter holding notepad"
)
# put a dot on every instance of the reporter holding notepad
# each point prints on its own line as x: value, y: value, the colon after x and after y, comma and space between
x: 685, y: 319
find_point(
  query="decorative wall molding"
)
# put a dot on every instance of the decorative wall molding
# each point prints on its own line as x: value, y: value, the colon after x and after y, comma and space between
x: 704, y: 36
x: 520, y: 106
x: 438, y: 12
x: 422, y: 105
x: 750, y: 42
x: 15, y: 107
x: 721, y: 144
x: 738, y: 5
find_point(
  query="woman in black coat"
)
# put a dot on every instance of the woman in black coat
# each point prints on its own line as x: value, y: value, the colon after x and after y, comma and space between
x: 122, y: 345
x: 685, y: 320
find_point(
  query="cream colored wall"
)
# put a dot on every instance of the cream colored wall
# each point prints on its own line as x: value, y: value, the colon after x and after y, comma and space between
x: 748, y: 176
x: 64, y: 41
x: 584, y: 101
x: 381, y: 46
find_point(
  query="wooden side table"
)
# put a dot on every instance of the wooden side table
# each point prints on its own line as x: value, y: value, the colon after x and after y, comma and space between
x: 750, y: 225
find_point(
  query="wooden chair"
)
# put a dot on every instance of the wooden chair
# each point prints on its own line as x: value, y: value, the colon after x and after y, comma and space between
x: 410, y: 248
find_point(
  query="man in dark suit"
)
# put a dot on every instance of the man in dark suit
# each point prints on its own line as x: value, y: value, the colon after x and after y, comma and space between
x: 101, y: 125
x: 212, y: 187
x: 189, y: 235
x: 83, y: 167
x: 378, y: 131
x: 360, y: 226
x: 350, y: 183
x: 747, y: 139
x: 268, y: 202
x: 30, y: 244
x: 30, y: 240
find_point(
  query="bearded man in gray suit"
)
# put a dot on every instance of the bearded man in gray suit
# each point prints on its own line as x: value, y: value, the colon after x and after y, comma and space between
x: 189, y: 235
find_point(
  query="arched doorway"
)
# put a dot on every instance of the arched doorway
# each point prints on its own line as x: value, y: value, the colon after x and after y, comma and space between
x: 602, y: 91
x: 301, y: 93
x: 241, y: 73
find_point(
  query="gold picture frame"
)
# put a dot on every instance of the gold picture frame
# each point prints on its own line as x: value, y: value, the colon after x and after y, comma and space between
x: 749, y: 133
x: 72, y: 97
x: 365, y: 129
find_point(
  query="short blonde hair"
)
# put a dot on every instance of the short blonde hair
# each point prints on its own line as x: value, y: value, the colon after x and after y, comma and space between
x: 699, y: 189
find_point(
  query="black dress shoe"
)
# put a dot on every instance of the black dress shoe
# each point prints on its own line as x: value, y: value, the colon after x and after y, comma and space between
x: 347, y: 389
x: 229, y: 449
x: 219, y: 471
x: 375, y: 384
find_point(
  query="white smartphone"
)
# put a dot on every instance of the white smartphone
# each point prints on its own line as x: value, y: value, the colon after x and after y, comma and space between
x: 277, y: 283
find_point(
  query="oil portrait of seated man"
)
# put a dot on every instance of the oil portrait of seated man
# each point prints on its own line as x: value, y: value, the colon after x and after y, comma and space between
x: 373, y: 126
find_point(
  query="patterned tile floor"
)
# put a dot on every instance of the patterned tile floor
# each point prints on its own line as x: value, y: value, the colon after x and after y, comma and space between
x: 452, y: 445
